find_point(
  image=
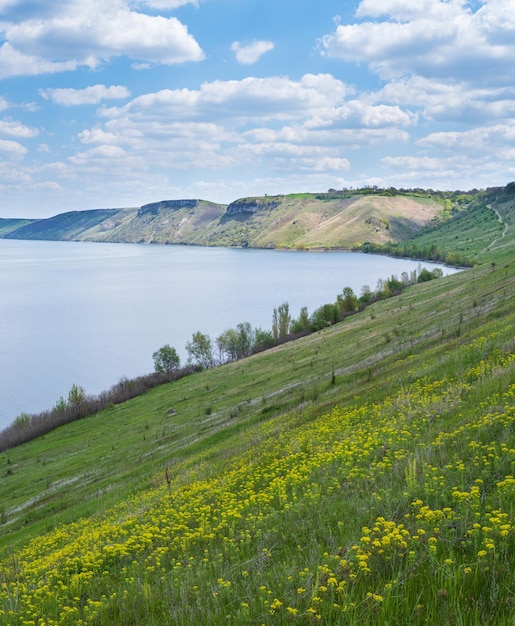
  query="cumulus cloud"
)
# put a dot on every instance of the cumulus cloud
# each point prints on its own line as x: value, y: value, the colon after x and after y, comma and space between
x: 430, y: 38
x: 449, y: 101
x: 100, y: 152
x: 167, y: 5
x: 251, y: 53
x: 12, y: 147
x: 236, y: 100
x: 67, y: 35
x: 359, y: 114
x: 89, y: 95
x: 16, y: 63
x: 414, y: 162
x: 287, y: 126
x: 475, y: 140
x: 10, y: 128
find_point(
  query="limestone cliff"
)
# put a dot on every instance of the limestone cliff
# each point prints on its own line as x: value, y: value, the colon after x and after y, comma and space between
x: 154, y: 207
x: 251, y: 205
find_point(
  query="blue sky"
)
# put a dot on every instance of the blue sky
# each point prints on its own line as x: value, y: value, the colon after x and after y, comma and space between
x: 120, y: 103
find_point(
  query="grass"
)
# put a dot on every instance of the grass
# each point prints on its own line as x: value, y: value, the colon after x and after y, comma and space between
x: 469, y: 234
x: 360, y: 475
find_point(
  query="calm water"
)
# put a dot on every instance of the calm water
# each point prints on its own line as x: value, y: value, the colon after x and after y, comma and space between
x: 88, y: 314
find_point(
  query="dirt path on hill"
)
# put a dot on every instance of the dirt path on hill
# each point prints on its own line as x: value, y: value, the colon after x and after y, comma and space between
x: 501, y: 221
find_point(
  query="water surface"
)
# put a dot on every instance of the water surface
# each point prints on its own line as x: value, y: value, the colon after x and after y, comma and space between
x: 91, y: 313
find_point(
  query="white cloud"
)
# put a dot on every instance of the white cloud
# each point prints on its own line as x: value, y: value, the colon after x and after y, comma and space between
x: 284, y: 125
x: 12, y: 147
x: 48, y: 185
x: 414, y: 162
x: 335, y: 164
x: 16, y: 63
x: 251, y: 53
x: 11, y: 128
x: 481, y: 141
x: 100, y: 152
x: 430, y: 38
x: 405, y: 10
x: 236, y: 100
x: 359, y: 114
x: 87, y: 33
x: 168, y: 5
x: 450, y: 101
x: 4, y: 4
x: 97, y: 135
x: 89, y: 95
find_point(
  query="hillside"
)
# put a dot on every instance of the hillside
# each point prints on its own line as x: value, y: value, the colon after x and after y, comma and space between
x: 332, y: 220
x: 68, y: 226
x: 169, y: 221
x: 360, y: 475
x: 472, y: 233
x: 10, y: 225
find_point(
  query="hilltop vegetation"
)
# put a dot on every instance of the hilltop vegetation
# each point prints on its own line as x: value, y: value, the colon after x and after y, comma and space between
x: 362, y: 474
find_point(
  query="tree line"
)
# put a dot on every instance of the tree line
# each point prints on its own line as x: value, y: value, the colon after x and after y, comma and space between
x: 231, y: 345
x: 244, y: 340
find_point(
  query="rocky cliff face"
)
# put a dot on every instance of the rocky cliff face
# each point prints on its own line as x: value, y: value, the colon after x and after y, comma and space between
x: 251, y: 205
x: 154, y: 207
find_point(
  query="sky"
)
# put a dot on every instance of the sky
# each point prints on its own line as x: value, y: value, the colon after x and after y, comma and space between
x: 120, y: 103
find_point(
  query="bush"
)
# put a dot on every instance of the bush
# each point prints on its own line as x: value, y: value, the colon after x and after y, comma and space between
x: 78, y: 405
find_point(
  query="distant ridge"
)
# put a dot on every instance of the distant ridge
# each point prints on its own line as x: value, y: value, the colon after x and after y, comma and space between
x: 366, y: 219
x: 63, y: 227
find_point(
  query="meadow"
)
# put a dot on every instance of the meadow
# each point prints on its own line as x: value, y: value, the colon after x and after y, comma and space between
x: 363, y: 474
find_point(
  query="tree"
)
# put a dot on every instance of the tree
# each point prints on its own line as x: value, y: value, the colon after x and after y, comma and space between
x: 394, y: 284
x: 227, y: 344
x: 200, y: 350
x: 425, y: 275
x: 366, y: 294
x: 281, y: 321
x: 166, y: 360
x: 347, y: 301
x: 236, y: 343
x: 263, y: 339
x: 325, y: 315
x: 77, y: 401
x: 303, y: 322
x: 22, y: 422
x: 246, y: 338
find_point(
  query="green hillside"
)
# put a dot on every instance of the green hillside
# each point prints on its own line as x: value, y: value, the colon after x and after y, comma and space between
x: 363, y: 474
x: 303, y: 221
x: 9, y: 225
x: 479, y: 230
x: 175, y: 221
x: 67, y: 226
x: 309, y: 221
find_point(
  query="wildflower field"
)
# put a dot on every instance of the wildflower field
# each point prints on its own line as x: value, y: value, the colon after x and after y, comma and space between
x: 364, y: 475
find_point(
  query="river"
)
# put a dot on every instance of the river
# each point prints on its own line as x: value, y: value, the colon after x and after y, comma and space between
x: 92, y: 313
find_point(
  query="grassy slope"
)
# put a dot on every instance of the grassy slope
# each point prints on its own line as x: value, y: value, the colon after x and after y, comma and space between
x: 471, y: 233
x: 298, y: 221
x: 307, y: 222
x: 67, y: 226
x: 9, y: 225
x: 184, y: 225
x: 270, y: 490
